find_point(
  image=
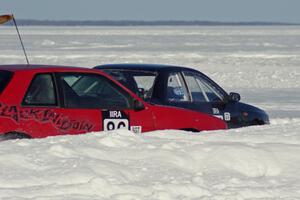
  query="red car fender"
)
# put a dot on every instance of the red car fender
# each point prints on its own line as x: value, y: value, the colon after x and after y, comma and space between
x: 178, y: 118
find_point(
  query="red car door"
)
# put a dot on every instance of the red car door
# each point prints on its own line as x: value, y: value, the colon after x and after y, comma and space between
x: 42, y: 113
x: 141, y: 120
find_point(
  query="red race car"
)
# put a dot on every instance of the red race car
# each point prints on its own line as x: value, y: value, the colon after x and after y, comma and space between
x: 39, y: 101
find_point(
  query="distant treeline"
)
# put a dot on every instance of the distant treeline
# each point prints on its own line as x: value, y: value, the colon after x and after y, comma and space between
x: 26, y: 22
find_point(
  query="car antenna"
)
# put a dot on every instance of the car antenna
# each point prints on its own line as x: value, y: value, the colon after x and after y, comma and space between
x: 6, y: 18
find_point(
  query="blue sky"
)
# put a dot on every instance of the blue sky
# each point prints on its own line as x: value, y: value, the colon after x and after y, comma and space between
x: 213, y: 10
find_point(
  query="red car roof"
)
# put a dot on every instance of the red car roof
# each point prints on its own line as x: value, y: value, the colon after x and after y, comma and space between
x: 36, y: 67
x: 58, y: 68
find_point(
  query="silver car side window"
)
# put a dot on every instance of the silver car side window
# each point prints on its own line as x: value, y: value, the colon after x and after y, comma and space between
x: 176, y: 89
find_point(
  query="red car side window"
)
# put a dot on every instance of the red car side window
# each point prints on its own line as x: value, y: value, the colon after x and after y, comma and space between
x: 41, y: 91
x: 92, y: 91
x: 176, y: 89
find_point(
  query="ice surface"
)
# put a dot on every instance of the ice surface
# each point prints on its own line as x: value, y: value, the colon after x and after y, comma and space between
x: 247, y: 57
x: 262, y: 63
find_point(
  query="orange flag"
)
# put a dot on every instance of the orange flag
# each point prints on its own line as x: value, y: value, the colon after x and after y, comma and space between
x: 5, y: 18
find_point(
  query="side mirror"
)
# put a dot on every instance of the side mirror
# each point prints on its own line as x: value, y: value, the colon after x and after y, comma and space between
x: 138, y: 105
x: 235, y: 97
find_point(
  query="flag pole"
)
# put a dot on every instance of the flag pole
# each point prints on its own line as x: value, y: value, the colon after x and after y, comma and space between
x: 15, y: 23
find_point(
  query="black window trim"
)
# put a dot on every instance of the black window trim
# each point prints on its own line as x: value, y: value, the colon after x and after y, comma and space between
x: 7, y: 81
x: 191, y: 100
x: 57, y: 102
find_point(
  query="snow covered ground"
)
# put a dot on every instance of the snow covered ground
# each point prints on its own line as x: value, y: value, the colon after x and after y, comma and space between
x: 252, y: 163
x: 262, y: 63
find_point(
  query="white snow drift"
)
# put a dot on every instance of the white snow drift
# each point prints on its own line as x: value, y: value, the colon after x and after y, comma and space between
x: 248, y: 163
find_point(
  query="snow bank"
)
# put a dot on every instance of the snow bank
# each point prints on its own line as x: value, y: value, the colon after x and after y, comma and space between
x: 248, y: 163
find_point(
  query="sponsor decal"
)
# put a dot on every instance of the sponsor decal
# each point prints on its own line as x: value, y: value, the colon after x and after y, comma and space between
x: 136, y: 129
x: 113, y: 120
x: 227, y: 116
x: 219, y: 116
x: 44, y: 115
x: 216, y: 111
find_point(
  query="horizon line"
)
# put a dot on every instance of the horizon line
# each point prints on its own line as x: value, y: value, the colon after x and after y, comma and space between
x: 47, y: 22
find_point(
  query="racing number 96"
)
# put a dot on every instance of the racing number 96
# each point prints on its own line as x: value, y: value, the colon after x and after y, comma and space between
x: 113, y: 124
